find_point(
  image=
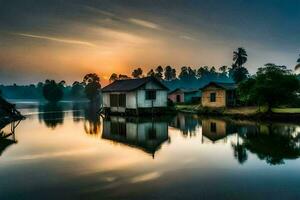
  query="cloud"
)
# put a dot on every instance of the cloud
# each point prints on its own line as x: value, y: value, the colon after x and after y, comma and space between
x: 102, y: 12
x: 144, y: 23
x: 145, y: 177
x: 187, y: 37
x: 62, y: 40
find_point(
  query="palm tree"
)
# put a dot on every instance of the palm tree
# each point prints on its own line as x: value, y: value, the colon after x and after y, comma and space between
x: 298, y: 63
x: 239, y: 57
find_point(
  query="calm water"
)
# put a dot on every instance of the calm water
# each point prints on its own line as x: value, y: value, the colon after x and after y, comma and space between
x: 67, y: 152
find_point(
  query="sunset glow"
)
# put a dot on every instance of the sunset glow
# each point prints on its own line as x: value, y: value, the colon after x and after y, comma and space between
x: 69, y: 39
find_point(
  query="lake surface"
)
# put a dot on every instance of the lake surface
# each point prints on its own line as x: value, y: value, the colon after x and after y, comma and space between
x: 68, y: 152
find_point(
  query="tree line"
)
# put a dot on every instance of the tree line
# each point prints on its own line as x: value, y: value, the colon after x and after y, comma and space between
x: 237, y: 72
x: 53, y: 91
x: 272, y: 85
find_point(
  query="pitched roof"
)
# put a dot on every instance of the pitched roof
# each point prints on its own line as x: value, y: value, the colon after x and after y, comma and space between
x: 130, y: 84
x: 225, y: 86
x: 185, y: 90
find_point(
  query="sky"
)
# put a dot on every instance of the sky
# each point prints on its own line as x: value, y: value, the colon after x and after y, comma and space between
x: 64, y: 40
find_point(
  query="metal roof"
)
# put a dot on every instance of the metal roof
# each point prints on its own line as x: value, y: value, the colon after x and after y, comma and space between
x: 185, y: 90
x: 130, y: 84
x: 225, y: 86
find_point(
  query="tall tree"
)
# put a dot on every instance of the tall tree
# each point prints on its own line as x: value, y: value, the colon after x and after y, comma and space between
x: 173, y: 74
x: 123, y: 77
x: 213, y: 72
x: 151, y: 73
x: 223, y: 69
x: 137, y: 73
x: 239, y: 57
x: 203, y: 72
x: 159, y: 72
x: 52, y: 91
x: 113, y: 77
x: 77, y: 89
x: 184, y: 73
x: 168, y: 73
x: 239, y: 74
x: 92, y: 86
x: 192, y: 73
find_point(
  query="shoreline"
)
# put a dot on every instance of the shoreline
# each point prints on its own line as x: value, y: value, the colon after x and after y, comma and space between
x: 253, y: 113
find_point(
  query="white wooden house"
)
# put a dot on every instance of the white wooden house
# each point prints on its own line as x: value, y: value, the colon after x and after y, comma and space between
x: 135, y: 96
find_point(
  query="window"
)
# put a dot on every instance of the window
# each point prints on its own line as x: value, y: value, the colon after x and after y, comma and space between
x: 213, y: 97
x: 150, y: 95
x: 122, y: 100
x: 118, y: 100
x: 114, y: 100
x: 213, y: 127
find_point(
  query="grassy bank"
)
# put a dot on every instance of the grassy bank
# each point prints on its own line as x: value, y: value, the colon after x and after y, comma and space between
x: 244, y: 112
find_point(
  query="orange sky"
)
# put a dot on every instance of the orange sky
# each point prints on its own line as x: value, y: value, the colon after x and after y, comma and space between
x: 66, y: 40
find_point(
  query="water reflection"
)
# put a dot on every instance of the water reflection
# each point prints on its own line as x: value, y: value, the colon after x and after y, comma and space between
x: 51, y: 114
x: 273, y: 143
x: 77, y: 111
x: 216, y: 130
x: 118, y: 164
x: 92, y: 121
x: 145, y: 134
x: 239, y: 151
x: 187, y: 124
x: 7, y: 138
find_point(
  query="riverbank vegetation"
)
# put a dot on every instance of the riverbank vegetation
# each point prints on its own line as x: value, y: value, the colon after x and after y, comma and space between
x: 250, y: 112
x: 271, y: 86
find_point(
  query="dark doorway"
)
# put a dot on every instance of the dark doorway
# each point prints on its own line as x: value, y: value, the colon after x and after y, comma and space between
x: 178, y: 99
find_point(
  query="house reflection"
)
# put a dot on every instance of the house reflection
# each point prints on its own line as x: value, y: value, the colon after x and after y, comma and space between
x: 145, y: 134
x: 187, y: 124
x: 216, y: 130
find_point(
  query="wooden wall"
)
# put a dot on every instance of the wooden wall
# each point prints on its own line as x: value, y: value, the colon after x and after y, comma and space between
x: 220, y: 97
x: 173, y: 96
x: 137, y: 98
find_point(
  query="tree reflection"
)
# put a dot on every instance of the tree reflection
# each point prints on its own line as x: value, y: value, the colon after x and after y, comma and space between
x: 239, y: 151
x: 274, y: 144
x: 187, y: 124
x: 92, y: 120
x: 77, y: 110
x: 51, y: 114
